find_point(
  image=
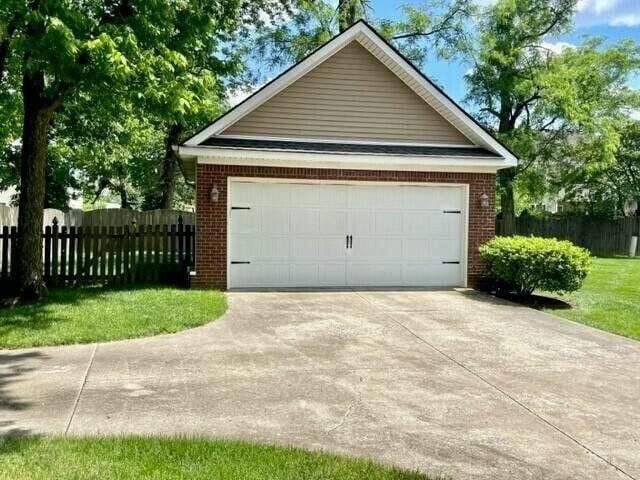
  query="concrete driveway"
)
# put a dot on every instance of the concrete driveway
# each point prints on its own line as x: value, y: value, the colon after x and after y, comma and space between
x: 448, y: 382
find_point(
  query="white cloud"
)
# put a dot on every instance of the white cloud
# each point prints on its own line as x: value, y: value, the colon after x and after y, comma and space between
x: 237, y: 95
x: 627, y: 20
x: 596, y: 6
x: 556, y: 47
x: 623, y: 13
x: 635, y: 114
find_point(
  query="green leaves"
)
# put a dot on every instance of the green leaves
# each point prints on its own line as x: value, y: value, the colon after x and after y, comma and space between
x: 523, y: 264
x: 554, y: 105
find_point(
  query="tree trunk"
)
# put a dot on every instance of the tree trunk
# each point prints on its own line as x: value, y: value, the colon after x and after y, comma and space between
x: 507, y: 176
x: 169, y: 167
x: 507, y: 201
x: 347, y: 13
x: 37, y: 119
x: 124, y: 198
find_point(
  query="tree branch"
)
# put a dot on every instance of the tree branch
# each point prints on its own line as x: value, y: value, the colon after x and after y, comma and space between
x: 441, y: 27
x: 557, y: 16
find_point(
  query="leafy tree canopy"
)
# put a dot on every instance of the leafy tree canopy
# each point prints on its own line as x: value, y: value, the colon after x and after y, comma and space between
x: 541, y: 102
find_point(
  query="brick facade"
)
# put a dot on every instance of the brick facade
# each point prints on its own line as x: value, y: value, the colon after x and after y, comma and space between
x: 211, y: 218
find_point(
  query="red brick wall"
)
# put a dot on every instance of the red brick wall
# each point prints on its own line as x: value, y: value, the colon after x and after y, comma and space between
x: 211, y: 218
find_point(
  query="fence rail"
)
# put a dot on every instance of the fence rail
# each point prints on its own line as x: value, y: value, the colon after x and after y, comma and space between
x: 601, y: 237
x: 107, y: 255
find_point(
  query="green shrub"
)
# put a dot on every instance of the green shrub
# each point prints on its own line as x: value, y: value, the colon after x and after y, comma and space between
x: 522, y: 264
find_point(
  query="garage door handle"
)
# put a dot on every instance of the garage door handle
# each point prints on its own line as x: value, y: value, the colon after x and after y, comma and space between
x: 349, y: 241
x: 451, y: 263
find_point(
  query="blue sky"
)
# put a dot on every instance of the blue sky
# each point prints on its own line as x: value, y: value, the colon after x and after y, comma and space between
x: 613, y: 19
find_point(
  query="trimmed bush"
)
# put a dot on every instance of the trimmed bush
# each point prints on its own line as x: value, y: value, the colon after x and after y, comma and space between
x: 522, y: 264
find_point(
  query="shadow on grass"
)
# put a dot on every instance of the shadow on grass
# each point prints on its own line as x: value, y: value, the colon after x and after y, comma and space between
x: 539, y: 302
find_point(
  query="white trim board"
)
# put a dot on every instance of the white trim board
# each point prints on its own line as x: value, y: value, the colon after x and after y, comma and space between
x: 351, y: 161
x: 370, y: 40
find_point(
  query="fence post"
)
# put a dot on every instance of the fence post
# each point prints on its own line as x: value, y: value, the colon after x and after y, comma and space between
x: 13, y: 256
x: 180, y: 241
x: 47, y: 254
x: 63, y: 254
x: 4, y: 266
x: 165, y: 253
x: 54, y: 252
x: 72, y: 255
x: 81, y: 263
x: 133, y: 249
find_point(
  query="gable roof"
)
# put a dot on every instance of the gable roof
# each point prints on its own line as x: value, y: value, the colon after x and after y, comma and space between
x: 351, y: 96
x: 364, y: 34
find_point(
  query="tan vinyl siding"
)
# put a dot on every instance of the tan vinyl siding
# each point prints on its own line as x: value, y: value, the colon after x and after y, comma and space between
x: 350, y: 96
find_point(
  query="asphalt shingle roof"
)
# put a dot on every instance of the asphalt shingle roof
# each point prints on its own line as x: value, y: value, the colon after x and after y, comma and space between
x: 349, y: 148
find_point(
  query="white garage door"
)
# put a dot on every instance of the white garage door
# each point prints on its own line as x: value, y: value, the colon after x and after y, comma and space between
x: 324, y: 235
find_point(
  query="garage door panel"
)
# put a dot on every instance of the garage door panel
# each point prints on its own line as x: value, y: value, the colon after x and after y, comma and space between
x: 244, y: 247
x: 270, y: 248
x: 295, y: 235
x: 366, y: 197
x: 305, y: 221
x: 375, y: 274
x: 274, y: 220
x: 246, y: 221
x: 305, y: 249
x: 432, y: 274
x: 304, y: 195
x: 246, y: 193
x: 333, y: 222
x: 332, y: 274
x: 332, y: 248
x: 272, y: 194
x: 276, y: 273
x: 332, y: 196
x: 423, y: 223
x: 362, y: 222
x: 389, y: 223
x: 444, y: 249
x: 304, y: 274
x: 371, y: 248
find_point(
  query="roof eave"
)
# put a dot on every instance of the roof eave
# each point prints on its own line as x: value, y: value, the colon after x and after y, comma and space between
x: 343, y: 160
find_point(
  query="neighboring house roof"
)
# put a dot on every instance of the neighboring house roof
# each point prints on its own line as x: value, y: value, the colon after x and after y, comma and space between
x: 349, y: 148
x: 257, y: 123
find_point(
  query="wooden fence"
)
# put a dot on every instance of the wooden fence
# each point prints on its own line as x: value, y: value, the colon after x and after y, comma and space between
x: 108, y: 255
x: 601, y: 237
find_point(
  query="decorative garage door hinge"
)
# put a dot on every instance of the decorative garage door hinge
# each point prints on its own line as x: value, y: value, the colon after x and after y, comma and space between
x: 452, y: 211
x: 240, y: 263
x: 240, y: 208
x: 451, y: 263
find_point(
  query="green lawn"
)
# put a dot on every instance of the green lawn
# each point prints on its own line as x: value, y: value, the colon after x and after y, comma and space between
x: 609, y: 299
x: 82, y: 315
x: 123, y: 458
